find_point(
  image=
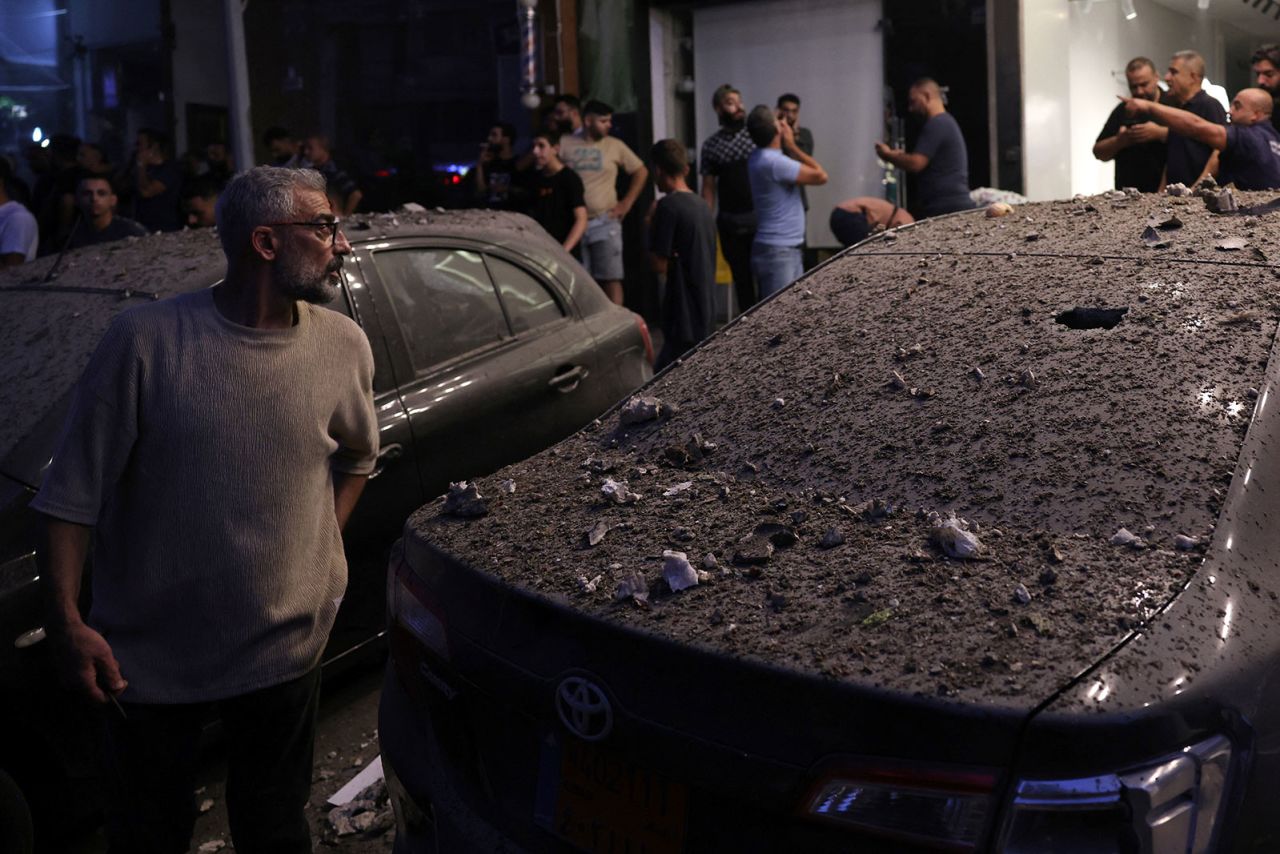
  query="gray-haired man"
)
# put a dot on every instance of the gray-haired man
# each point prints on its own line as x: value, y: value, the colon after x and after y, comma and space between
x: 217, y: 443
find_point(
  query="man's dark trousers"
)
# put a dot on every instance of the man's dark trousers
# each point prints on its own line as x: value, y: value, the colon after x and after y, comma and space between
x: 151, y: 757
x: 737, y: 233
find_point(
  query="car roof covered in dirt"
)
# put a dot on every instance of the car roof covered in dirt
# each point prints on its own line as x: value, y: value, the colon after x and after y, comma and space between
x: 52, y: 325
x: 964, y: 460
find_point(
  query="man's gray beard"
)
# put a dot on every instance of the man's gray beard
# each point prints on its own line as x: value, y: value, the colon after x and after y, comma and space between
x: 297, y: 279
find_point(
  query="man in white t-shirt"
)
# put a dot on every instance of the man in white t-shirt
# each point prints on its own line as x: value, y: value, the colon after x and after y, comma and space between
x: 19, y: 234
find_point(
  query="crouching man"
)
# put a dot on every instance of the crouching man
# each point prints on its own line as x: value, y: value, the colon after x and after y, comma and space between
x: 217, y: 443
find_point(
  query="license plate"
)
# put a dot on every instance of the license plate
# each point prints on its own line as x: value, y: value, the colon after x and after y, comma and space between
x: 604, y: 803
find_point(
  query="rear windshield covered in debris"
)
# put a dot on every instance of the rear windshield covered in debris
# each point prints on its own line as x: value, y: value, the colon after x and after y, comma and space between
x: 952, y: 464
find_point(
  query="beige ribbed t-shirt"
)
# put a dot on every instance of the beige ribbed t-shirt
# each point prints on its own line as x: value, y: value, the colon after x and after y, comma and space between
x: 202, y: 451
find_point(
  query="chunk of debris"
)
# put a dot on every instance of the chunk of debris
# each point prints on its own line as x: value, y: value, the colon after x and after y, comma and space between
x: 596, y: 533
x: 709, y: 561
x: 1165, y: 220
x: 953, y: 537
x: 1220, y: 201
x: 1056, y: 555
x: 465, y: 501
x: 1031, y: 236
x: 998, y: 209
x: 876, y: 619
x: 206, y: 805
x: 1184, y: 543
x: 977, y: 374
x: 1125, y: 537
x: 507, y: 487
x: 632, y: 586
x: 1177, y: 189
x: 923, y: 393
x: 589, y: 585
x: 896, y: 382
x: 683, y: 535
x: 212, y: 846
x: 673, y: 491
x: 677, y: 571
x: 1021, y: 595
x: 1153, y: 239
x: 1116, y: 195
x: 639, y: 410
x: 778, y: 403
x: 1231, y: 244
x: 870, y: 511
x: 1028, y: 379
x: 618, y: 491
x: 905, y: 353
x: 831, y: 539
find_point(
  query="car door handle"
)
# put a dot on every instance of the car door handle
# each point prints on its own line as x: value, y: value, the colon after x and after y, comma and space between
x: 567, y: 379
x: 389, y: 454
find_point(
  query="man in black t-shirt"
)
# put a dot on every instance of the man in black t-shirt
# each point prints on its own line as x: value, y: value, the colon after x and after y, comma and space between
x: 1138, y: 148
x: 491, y: 176
x: 1250, y: 146
x: 683, y: 247
x: 555, y: 193
x: 1265, y: 65
x: 157, y: 182
x: 96, y: 199
x: 1187, y: 159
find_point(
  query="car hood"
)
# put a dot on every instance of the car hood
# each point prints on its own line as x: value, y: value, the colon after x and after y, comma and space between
x: 924, y: 373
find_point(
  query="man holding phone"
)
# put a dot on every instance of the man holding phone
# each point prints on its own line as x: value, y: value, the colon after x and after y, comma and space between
x: 491, y: 177
x: 1137, y: 145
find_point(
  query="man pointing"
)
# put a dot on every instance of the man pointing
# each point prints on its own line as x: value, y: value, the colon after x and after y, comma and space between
x: 1249, y: 147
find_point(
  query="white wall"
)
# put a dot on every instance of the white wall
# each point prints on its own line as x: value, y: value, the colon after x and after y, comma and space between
x: 1066, y: 103
x: 830, y: 53
x: 199, y: 61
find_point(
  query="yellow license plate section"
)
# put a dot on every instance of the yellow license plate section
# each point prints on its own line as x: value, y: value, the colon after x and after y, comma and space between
x: 610, y: 805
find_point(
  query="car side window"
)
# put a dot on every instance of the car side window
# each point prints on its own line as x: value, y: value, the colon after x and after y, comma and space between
x: 443, y: 300
x: 528, y: 302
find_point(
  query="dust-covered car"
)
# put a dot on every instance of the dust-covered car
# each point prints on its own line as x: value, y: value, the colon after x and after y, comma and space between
x: 489, y: 341
x: 964, y: 541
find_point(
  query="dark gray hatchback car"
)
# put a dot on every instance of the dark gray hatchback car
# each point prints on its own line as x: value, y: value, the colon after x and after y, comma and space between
x: 965, y: 541
x: 489, y: 343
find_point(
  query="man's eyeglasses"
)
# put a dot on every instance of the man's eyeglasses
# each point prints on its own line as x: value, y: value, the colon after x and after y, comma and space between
x: 325, y: 229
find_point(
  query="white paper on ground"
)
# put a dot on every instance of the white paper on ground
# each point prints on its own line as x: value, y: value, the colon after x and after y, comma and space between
x: 369, y: 775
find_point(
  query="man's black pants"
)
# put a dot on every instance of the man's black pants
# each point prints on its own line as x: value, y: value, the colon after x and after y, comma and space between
x: 735, y: 243
x: 151, y: 760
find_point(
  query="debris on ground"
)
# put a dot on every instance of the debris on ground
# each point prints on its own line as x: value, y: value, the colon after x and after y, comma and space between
x: 953, y: 537
x: 619, y: 492
x: 639, y: 410
x: 369, y: 813
x: 677, y: 571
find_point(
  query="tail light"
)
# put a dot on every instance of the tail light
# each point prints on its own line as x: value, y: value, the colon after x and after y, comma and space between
x: 942, y: 809
x: 648, y: 340
x: 412, y: 607
x: 1172, y: 804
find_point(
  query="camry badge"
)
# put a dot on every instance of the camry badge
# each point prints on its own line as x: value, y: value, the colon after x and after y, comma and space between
x: 584, y: 709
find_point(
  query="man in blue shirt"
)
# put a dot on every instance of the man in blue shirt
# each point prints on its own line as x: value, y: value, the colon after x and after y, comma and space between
x: 1249, y: 147
x: 775, y: 177
x: 940, y: 160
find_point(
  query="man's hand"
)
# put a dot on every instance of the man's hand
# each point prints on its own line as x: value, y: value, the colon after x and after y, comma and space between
x: 86, y: 662
x: 1145, y: 132
x: 620, y: 210
x: 486, y: 155
x: 1135, y: 106
x: 884, y: 152
x: 788, y: 135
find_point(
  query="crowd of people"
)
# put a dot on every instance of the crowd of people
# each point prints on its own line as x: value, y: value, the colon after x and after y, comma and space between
x: 753, y: 171
x: 79, y: 198
x: 1181, y: 135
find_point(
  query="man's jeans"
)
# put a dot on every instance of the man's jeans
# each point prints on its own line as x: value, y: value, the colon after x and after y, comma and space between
x: 775, y: 267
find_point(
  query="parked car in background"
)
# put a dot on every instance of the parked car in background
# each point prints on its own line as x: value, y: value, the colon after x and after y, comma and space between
x: 489, y: 342
x: 965, y: 541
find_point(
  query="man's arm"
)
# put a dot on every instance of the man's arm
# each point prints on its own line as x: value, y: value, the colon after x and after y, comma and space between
x: 579, y: 228
x: 638, y: 180
x: 902, y: 159
x: 1179, y: 121
x: 86, y: 660
x: 346, y: 492
x: 811, y: 172
x: 709, y: 190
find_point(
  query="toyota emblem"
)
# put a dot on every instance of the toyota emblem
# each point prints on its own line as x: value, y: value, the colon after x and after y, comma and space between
x: 584, y: 709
